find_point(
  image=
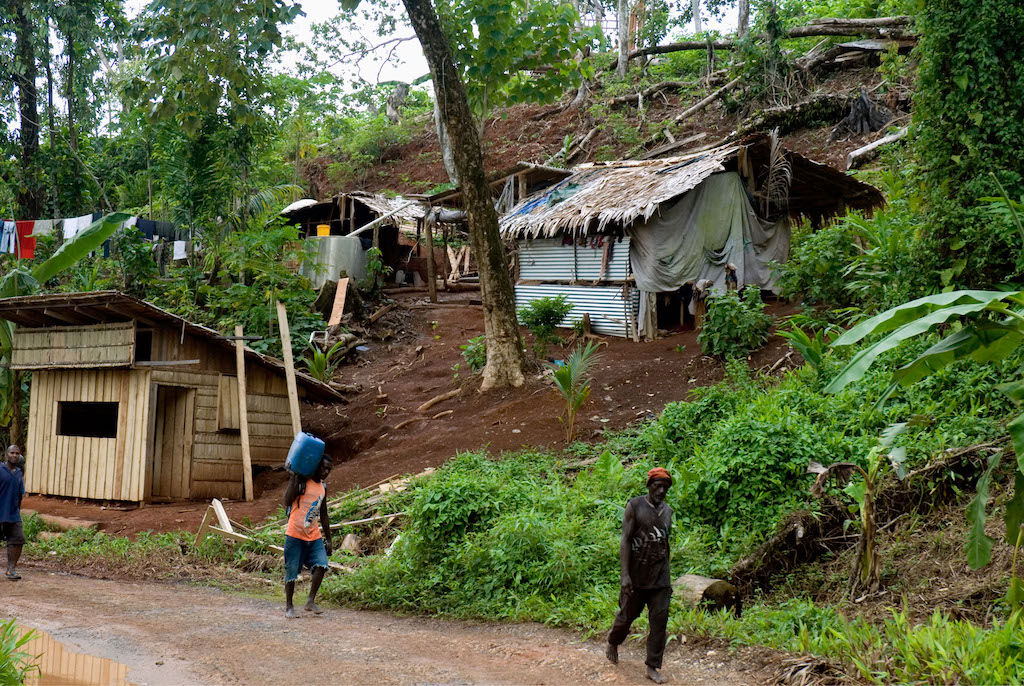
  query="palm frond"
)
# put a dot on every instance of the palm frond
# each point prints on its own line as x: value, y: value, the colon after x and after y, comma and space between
x: 775, y: 190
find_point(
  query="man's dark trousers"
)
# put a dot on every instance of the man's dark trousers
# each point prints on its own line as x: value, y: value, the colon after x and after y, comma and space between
x: 657, y: 601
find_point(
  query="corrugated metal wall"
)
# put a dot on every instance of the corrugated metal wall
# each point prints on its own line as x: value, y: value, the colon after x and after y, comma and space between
x: 609, y: 313
x: 547, y: 259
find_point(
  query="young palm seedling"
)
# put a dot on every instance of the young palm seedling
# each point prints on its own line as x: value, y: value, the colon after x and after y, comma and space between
x: 572, y: 382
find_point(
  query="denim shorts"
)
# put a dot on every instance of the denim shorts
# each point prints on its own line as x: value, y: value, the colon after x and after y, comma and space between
x: 299, y: 554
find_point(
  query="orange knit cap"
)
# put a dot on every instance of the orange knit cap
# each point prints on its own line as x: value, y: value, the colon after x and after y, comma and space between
x: 658, y: 473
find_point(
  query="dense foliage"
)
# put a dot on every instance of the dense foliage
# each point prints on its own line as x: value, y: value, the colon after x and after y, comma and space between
x: 735, y: 323
x: 969, y: 114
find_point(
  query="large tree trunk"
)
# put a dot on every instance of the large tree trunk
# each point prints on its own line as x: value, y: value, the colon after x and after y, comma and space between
x: 504, y: 343
x: 622, y: 20
x: 744, y: 22
x: 69, y: 94
x: 29, y: 197
x: 447, y: 156
x: 695, y: 6
x: 54, y: 191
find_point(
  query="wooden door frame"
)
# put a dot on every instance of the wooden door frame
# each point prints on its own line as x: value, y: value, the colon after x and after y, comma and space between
x: 191, y: 396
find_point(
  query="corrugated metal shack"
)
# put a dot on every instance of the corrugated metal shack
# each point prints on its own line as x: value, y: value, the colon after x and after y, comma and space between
x: 626, y: 241
x: 131, y: 402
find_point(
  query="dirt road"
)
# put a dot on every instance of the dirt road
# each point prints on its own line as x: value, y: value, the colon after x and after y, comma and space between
x: 187, y: 635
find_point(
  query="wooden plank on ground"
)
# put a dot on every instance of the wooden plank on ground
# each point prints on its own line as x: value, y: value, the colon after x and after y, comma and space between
x: 339, y: 302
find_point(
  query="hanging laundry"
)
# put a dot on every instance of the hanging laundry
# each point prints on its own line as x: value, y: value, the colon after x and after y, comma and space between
x: 147, y: 227
x: 26, y: 244
x: 130, y: 221
x: 43, y: 227
x: 179, y: 250
x: 7, y: 242
x: 74, y: 225
x: 166, y: 231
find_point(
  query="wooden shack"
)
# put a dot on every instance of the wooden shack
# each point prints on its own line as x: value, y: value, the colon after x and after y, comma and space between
x: 131, y: 402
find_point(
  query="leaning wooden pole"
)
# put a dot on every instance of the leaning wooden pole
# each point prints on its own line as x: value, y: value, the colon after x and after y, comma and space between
x: 289, y: 367
x: 243, y: 413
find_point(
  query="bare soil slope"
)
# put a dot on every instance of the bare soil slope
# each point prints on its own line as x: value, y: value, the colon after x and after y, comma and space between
x: 412, y: 364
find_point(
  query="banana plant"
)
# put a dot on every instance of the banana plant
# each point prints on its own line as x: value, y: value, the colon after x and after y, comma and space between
x: 993, y: 331
x: 22, y: 281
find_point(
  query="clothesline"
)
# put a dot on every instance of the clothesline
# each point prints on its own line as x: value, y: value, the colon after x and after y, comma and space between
x: 19, y: 237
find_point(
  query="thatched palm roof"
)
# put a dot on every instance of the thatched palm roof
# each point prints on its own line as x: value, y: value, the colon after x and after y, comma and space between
x: 612, y: 195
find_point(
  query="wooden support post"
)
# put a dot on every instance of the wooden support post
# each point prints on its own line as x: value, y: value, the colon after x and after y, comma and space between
x: 521, y: 183
x: 243, y: 412
x: 428, y: 225
x: 289, y: 367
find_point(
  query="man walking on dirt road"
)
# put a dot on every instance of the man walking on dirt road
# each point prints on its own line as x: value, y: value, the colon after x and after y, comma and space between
x: 12, y: 490
x: 305, y: 500
x: 646, y: 579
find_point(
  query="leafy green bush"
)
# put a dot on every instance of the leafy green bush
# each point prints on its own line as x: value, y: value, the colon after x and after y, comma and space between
x: 734, y: 324
x: 474, y: 352
x: 542, y: 315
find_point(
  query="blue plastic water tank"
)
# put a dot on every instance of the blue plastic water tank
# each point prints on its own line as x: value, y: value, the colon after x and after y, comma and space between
x: 305, y: 454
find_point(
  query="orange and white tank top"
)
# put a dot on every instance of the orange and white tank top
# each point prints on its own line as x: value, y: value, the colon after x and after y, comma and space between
x: 304, y: 516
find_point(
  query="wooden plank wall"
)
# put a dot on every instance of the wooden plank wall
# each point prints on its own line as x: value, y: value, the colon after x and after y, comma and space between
x: 216, y: 455
x: 120, y: 469
x: 100, y: 345
x: 83, y: 467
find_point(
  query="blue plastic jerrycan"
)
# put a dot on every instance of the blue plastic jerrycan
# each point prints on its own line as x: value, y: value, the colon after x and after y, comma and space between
x: 305, y: 454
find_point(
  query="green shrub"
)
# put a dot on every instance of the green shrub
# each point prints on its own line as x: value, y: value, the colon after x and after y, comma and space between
x: 542, y: 315
x: 735, y: 324
x: 474, y: 352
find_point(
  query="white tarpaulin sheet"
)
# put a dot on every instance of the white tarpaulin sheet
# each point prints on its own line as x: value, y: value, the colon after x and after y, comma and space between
x: 697, y: 236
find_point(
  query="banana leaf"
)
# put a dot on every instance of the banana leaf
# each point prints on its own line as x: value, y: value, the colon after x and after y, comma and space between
x: 899, y: 316
x: 83, y: 243
x: 982, y: 341
x: 860, y: 363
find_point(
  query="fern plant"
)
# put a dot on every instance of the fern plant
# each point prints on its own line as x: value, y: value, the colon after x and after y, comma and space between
x: 572, y: 382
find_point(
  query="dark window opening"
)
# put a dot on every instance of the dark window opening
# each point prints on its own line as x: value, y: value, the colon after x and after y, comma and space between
x: 91, y: 420
x: 143, y: 345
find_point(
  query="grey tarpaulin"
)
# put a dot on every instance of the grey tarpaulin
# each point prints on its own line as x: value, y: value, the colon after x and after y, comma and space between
x: 694, y: 238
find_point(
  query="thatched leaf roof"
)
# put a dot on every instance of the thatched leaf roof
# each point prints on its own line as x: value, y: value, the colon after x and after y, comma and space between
x: 608, y: 196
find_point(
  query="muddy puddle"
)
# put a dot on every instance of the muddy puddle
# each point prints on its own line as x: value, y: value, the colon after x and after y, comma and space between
x: 61, y: 666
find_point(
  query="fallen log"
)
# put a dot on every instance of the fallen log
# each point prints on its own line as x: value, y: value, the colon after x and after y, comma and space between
x: 707, y: 101
x: 881, y: 27
x: 861, y: 155
x: 711, y: 594
x: 674, y: 145
x: 631, y: 98
x: 827, y: 107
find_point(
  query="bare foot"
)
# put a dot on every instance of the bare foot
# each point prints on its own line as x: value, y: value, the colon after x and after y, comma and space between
x: 314, y: 608
x: 656, y: 676
x: 290, y: 613
x: 612, y: 653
